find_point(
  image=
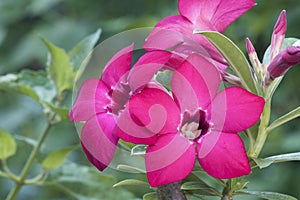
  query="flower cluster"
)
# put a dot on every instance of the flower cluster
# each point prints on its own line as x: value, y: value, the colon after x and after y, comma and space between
x: 193, y: 120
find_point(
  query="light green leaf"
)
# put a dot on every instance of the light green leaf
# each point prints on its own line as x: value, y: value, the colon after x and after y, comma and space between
x: 235, y: 58
x: 132, y: 182
x: 238, y: 184
x: 60, y: 69
x: 268, y: 195
x: 285, y: 118
x: 139, y: 150
x: 266, y: 162
x: 85, y: 183
x: 287, y: 42
x: 8, y: 145
x: 199, y: 188
x: 56, y: 158
x: 80, y: 54
x: 130, y: 169
x: 62, y: 113
x: 150, y: 196
x: 33, y: 84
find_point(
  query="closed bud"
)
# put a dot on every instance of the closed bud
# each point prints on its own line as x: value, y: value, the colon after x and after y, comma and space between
x: 284, y: 61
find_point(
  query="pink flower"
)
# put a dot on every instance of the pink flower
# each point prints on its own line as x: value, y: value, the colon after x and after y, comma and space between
x: 99, y: 101
x: 205, y: 15
x: 198, y: 121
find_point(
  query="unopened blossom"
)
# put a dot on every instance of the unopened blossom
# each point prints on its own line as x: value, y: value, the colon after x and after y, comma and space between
x: 284, y: 61
x: 278, y: 35
x: 177, y: 31
x: 100, y: 100
x: 196, y: 120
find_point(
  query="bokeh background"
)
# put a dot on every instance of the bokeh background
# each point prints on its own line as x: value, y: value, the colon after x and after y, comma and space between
x: 66, y: 22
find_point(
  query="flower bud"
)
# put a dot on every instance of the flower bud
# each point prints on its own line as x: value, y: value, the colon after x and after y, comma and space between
x: 284, y: 61
x: 278, y: 34
x: 254, y: 58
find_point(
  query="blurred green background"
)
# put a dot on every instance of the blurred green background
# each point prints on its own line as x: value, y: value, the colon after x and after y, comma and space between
x: 66, y: 22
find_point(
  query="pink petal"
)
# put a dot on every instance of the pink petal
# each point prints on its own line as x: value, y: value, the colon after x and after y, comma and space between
x: 91, y: 99
x: 213, y: 15
x: 223, y: 155
x: 145, y: 68
x: 235, y: 109
x: 156, y: 110
x: 168, y: 33
x: 170, y: 160
x: 195, y: 83
x: 98, y: 140
x: 117, y: 68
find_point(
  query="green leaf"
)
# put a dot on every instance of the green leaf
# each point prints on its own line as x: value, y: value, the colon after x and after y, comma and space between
x: 150, y: 196
x: 235, y: 58
x: 139, y: 150
x: 287, y: 42
x: 130, y: 169
x: 33, y: 84
x: 268, y: 195
x: 164, y: 78
x: 81, y: 53
x: 285, y: 118
x: 56, y: 158
x: 60, y: 69
x: 8, y: 145
x: 266, y: 162
x: 85, y: 183
x: 132, y: 182
x: 201, y: 188
x: 238, y: 184
x: 62, y: 113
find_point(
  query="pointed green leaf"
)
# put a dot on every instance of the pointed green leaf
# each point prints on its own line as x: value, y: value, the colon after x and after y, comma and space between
x: 130, y: 169
x: 81, y: 52
x: 268, y: 195
x: 60, y: 69
x: 266, y: 162
x: 285, y: 118
x: 150, y: 196
x: 234, y: 57
x: 56, y: 158
x: 199, y: 188
x: 33, y: 84
x: 139, y: 150
x: 132, y: 182
x: 8, y: 145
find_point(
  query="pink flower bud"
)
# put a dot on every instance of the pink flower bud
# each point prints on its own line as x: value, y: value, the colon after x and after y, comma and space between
x: 278, y: 34
x: 250, y: 47
x: 284, y: 61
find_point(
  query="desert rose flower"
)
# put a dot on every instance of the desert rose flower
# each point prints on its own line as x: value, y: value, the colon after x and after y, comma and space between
x: 177, y: 31
x: 197, y: 121
x: 100, y: 100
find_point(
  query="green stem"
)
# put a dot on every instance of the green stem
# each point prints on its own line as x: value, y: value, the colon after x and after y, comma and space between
x: 285, y: 118
x: 262, y: 130
x: 227, y: 193
x: 18, y: 184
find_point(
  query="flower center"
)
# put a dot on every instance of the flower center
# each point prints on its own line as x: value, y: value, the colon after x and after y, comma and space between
x: 194, y: 125
x: 191, y: 131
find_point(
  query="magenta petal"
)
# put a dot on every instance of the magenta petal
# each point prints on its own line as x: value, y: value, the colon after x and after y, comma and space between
x: 118, y: 67
x: 145, y: 68
x: 91, y: 99
x: 223, y: 155
x: 168, y: 33
x: 170, y: 160
x: 155, y: 109
x: 235, y: 109
x: 195, y: 83
x: 98, y: 140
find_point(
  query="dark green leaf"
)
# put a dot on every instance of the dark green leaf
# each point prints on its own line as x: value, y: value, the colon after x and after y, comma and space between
x: 56, y: 158
x: 80, y: 54
x: 266, y: 162
x: 60, y: 69
x: 7, y: 145
x: 268, y: 195
x: 33, y: 84
x: 235, y: 58
x: 150, y: 196
x: 139, y: 150
x: 132, y: 182
x: 199, y: 188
